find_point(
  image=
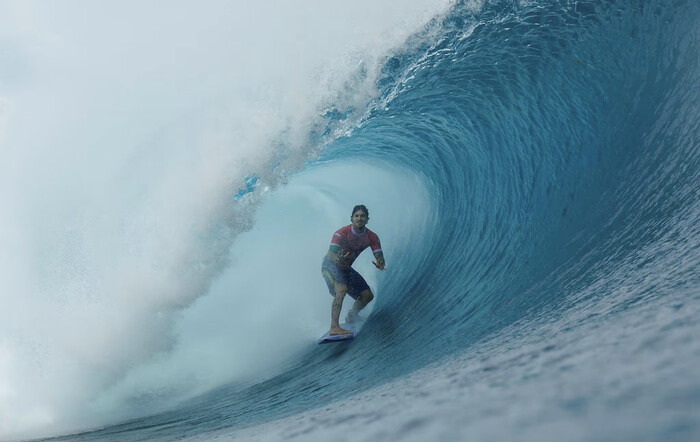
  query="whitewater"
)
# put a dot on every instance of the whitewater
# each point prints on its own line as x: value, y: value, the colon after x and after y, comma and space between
x: 170, y: 179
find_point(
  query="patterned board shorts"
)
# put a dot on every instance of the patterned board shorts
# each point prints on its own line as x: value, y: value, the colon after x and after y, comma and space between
x: 333, y: 274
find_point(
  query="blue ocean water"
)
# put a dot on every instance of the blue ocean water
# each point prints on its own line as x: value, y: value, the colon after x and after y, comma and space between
x: 553, y: 286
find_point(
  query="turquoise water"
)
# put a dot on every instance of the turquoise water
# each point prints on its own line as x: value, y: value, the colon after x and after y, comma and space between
x: 550, y: 284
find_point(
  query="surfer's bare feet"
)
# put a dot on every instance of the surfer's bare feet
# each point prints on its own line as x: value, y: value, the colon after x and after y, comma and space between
x: 339, y: 331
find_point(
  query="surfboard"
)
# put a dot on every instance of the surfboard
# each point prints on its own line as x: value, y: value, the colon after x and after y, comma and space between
x: 353, y: 327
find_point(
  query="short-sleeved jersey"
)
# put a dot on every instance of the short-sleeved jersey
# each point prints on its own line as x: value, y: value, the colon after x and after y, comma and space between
x: 346, y: 239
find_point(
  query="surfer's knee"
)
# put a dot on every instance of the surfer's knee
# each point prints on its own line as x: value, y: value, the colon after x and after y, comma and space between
x: 367, y: 296
x: 341, y: 289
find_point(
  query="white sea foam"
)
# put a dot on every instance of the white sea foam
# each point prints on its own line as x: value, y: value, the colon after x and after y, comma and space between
x: 124, y: 131
x: 272, y: 303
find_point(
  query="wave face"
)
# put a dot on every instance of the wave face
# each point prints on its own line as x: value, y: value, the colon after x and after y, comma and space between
x: 557, y: 147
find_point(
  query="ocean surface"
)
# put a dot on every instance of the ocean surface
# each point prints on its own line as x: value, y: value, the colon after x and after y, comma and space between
x: 532, y: 169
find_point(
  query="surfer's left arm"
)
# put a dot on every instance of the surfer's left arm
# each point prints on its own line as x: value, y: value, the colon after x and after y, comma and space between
x: 377, y: 251
x: 379, y: 263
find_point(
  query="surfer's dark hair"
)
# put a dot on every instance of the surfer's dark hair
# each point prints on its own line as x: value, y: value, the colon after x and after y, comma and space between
x: 360, y: 207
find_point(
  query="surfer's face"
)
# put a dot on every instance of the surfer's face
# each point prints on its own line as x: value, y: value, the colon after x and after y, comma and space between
x: 359, y: 219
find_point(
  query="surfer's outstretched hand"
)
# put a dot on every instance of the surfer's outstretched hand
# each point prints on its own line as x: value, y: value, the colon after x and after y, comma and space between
x: 379, y: 265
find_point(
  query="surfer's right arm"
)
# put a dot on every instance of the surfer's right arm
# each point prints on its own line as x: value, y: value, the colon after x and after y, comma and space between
x: 334, y: 255
x: 334, y: 250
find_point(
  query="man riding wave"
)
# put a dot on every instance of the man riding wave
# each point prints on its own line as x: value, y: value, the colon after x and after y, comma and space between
x: 346, y: 245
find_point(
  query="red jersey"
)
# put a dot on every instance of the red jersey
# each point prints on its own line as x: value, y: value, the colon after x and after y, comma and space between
x: 346, y: 239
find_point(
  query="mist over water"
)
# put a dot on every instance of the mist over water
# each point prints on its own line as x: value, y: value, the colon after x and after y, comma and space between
x: 125, y: 131
x: 270, y: 303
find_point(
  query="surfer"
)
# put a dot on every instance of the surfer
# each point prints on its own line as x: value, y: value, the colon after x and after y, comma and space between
x: 346, y: 245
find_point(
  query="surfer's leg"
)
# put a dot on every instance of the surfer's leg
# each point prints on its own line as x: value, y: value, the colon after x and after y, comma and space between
x: 335, y: 279
x: 340, y: 291
x: 361, y: 302
x: 359, y: 290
